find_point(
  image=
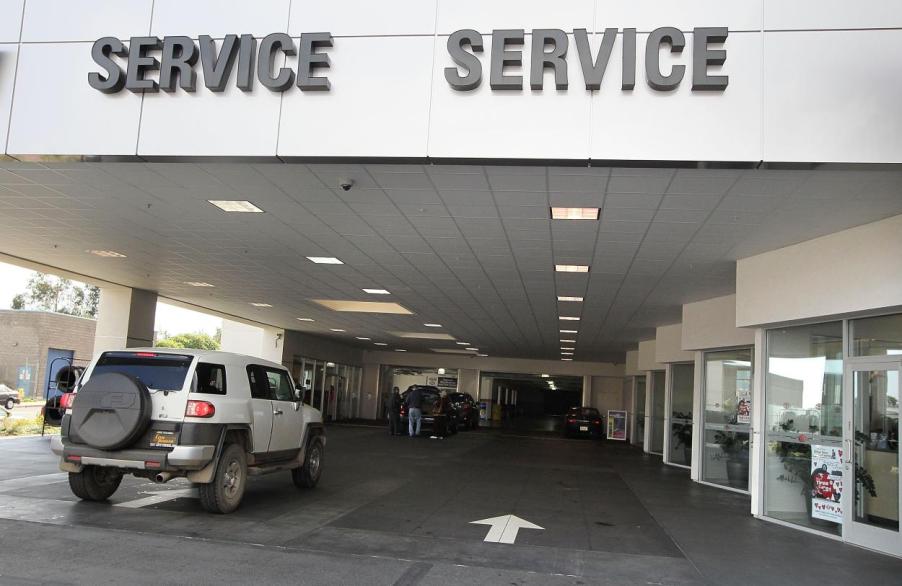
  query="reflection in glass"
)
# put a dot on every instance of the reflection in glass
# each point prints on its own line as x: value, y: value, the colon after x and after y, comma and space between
x: 640, y: 411
x: 727, y: 418
x: 803, y: 408
x: 682, y: 376
x: 876, y: 336
x: 876, y: 454
x: 657, y: 412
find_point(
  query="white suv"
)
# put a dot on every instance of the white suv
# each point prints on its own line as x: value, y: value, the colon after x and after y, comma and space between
x: 213, y: 417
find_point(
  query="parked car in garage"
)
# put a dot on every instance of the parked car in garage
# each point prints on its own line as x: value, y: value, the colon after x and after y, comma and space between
x: 430, y: 398
x: 583, y: 421
x: 9, y: 398
x: 467, y: 410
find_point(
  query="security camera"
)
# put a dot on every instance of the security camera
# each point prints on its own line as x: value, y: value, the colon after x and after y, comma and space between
x: 346, y: 184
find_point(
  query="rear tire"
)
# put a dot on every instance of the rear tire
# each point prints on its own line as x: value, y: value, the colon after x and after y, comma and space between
x: 308, y: 475
x: 10, y: 404
x: 94, y: 483
x: 224, y: 494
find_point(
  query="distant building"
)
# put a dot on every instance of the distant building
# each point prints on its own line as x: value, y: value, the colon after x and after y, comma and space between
x: 31, y: 340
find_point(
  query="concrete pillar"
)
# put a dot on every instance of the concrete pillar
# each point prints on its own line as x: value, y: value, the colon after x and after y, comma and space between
x: 468, y: 382
x: 125, y: 318
x: 587, y: 391
x: 370, y: 399
x: 261, y: 341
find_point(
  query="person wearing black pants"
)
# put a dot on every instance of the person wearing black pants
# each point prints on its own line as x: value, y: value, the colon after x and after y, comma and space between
x: 394, y: 412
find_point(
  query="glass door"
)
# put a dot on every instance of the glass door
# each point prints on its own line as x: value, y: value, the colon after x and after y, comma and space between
x: 870, y: 457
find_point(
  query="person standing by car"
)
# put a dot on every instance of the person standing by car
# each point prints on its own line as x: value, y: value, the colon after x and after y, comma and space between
x: 440, y: 416
x: 394, y: 412
x: 414, y: 403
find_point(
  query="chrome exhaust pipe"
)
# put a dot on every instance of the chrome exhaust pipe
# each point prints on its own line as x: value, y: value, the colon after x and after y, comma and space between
x: 162, y: 477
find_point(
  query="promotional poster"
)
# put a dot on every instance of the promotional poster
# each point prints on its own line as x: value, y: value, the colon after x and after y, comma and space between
x: 826, y: 482
x: 617, y: 425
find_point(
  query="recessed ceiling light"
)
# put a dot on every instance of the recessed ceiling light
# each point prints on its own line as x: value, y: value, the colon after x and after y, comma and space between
x: 472, y: 349
x: 482, y: 355
x: 325, y: 260
x: 463, y: 343
x: 574, y: 213
x: 567, y: 359
x: 544, y: 376
x: 377, y: 291
x: 198, y: 284
x: 564, y: 298
x: 566, y: 353
x: 228, y: 205
x: 569, y: 331
x: 306, y: 319
x: 568, y: 341
x: 433, y: 325
x: 106, y: 253
x: 567, y: 348
x: 362, y: 338
x: 423, y: 335
x: 569, y: 318
x: 261, y: 304
x: 380, y: 343
x: 336, y: 330
x: 572, y: 268
x: 400, y: 350
x: 363, y: 306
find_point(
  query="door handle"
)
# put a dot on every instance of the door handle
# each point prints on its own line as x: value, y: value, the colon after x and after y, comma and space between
x: 847, y: 446
x: 277, y: 412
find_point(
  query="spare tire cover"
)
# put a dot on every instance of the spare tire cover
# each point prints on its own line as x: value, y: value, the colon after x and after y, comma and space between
x: 111, y: 411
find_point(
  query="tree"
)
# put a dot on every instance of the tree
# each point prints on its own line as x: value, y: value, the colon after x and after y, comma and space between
x: 49, y: 293
x: 199, y: 341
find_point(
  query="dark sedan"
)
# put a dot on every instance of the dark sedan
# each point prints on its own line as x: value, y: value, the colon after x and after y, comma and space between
x: 9, y: 397
x: 583, y: 421
x: 430, y: 398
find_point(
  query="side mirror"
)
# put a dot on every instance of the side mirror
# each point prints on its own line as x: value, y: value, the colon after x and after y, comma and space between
x: 299, y: 394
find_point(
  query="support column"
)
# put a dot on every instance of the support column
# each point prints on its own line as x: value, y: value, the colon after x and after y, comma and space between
x: 587, y: 391
x: 125, y: 318
x: 261, y: 341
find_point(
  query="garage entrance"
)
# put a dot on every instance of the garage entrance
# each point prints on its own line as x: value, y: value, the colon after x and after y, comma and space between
x: 530, y: 402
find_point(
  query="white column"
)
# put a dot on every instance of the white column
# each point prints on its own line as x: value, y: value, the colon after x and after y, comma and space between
x: 125, y: 318
x: 587, y: 391
x: 756, y: 437
x: 264, y: 342
x: 698, y: 417
x: 668, y: 386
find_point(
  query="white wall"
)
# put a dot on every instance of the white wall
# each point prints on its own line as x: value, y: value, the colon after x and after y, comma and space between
x: 261, y: 341
x: 711, y: 324
x: 669, y: 344
x: 853, y: 270
x: 631, y: 368
x: 794, y: 68
x: 647, y: 359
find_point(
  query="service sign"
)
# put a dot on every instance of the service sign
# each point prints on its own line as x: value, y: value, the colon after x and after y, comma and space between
x: 153, y: 64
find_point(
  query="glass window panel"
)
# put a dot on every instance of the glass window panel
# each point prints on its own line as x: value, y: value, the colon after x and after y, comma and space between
x: 876, y: 336
x: 876, y: 454
x: 640, y: 410
x: 682, y: 383
x: 803, y: 408
x: 658, y: 389
x: 727, y: 417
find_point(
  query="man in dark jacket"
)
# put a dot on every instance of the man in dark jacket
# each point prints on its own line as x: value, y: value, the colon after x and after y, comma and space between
x: 414, y: 403
x: 394, y: 412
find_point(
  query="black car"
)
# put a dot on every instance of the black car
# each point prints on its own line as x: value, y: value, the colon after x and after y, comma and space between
x: 583, y: 421
x: 430, y: 398
x: 466, y: 408
x: 9, y: 397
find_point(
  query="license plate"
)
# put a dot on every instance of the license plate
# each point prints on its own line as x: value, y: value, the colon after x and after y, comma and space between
x: 163, y: 439
x: 584, y: 428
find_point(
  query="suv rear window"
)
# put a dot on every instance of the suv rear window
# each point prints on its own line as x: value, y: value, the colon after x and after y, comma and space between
x: 210, y: 379
x: 163, y: 372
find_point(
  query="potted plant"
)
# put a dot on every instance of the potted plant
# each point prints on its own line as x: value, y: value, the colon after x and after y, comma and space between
x: 734, y: 448
x: 682, y: 433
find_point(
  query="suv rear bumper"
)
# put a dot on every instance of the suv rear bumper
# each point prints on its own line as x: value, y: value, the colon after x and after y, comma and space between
x: 179, y: 458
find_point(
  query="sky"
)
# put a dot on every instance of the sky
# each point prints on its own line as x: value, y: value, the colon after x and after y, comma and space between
x: 170, y: 319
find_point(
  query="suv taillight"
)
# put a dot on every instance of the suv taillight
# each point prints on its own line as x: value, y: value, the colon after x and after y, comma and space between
x: 199, y: 409
x: 66, y: 400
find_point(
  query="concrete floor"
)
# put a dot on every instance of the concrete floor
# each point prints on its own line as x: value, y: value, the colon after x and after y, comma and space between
x: 395, y: 510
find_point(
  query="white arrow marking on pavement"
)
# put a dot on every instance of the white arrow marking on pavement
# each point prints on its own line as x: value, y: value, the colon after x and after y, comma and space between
x: 504, y: 528
x: 159, y: 497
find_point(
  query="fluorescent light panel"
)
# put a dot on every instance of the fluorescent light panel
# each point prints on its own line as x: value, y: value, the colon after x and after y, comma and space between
x: 569, y: 331
x: 377, y: 291
x: 568, y: 341
x: 565, y: 298
x: 306, y: 319
x: 362, y: 338
x: 240, y: 206
x: 572, y: 268
x: 106, y: 253
x: 423, y: 335
x: 569, y: 318
x: 325, y: 260
x: 380, y: 343
x: 198, y: 284
x: 433, y: 325
x: 574, y: 213
x: 363, y: 306
x: 336, y: 330
x: 261, y: 304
